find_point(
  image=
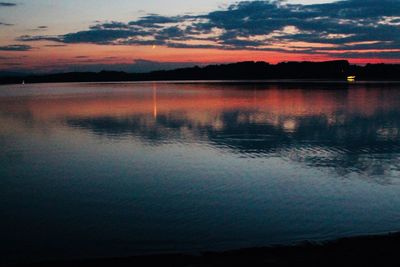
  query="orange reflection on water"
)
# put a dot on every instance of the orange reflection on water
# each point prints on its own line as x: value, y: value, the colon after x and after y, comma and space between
x: 202, y: 104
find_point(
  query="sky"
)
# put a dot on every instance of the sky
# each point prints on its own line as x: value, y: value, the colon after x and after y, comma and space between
x: 144, y: 35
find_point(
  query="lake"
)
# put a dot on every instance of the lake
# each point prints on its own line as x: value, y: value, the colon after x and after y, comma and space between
x: 120, y: 169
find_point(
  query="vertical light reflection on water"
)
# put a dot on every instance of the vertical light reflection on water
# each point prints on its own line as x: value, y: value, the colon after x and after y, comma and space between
x: 155, y: 111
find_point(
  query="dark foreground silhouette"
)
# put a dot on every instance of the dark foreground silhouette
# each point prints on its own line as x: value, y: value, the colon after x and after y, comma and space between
x: 359, y: 251
x: 329, y: 70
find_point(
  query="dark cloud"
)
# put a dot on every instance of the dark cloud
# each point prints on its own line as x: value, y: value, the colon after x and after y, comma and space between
x: 11, y: 64
x: 30, y: 38
x: 386, y: 55
x: 56, y: 45
x: 154, y: 20
x: 15, y: 48
x: 39, y: 29
x: 7, y: 4
x: 12, y: 58
x: 137, y: 66
x: 272, y: 25
x: 5, y: 24
x: 96, y: 36
x: 109, y: 25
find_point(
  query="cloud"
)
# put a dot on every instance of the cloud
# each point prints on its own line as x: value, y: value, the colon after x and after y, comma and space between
x: 12, y: 58
x: 41, y: 28
x: 84, y: 63
x: 55, y: 45
x: 16, y: 48
x: 7, y: 4
x: 272, y: 25
x: 11, y: 64
x: 87, y: 64
x: 5, y: 24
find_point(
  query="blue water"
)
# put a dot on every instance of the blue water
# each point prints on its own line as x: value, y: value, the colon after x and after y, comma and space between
x: 109, y: 170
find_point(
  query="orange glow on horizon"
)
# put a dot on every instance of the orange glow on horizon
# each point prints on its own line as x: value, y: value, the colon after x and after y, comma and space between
x: 50, y: 58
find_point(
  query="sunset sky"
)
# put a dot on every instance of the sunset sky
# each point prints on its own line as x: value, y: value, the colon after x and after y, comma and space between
x: 138, y: 36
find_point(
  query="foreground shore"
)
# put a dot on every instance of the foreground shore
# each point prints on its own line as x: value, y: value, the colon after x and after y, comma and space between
x: 358, y: 251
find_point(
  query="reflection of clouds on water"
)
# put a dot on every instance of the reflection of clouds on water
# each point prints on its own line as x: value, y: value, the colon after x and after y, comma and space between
x: 346, y: 143
x: 351, y: 131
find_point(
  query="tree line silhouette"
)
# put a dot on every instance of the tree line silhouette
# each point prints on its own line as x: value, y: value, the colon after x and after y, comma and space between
x: 248, y: 70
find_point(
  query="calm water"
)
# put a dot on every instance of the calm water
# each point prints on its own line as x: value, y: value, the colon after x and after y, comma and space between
x: 102, y: 170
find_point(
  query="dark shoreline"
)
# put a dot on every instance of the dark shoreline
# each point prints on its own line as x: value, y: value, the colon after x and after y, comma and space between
x: 337, y: 70
x: 376, y: 250
x: 283, y: 82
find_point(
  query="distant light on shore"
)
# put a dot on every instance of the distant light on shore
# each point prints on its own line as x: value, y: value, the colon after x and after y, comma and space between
x: 351, y: 78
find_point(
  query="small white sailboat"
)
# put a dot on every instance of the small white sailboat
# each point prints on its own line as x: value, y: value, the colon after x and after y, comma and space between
x: 23, y: 82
